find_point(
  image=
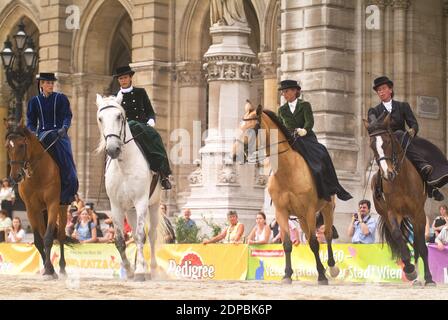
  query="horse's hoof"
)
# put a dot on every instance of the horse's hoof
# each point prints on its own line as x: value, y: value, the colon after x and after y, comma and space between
x: 417, y: 283
x: 430, y: 284
x: 334, y: 271
x: 412, y: 275
x: 286, y: 280
x: 323, y: 282
x: 49, y: 277
x: 63, y: 275
x: 139, y: 277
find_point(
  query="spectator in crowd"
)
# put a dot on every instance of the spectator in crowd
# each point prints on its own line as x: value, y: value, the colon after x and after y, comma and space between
x: 439, y: 224
x: 442, y: 238
x: 363, y: 226
x: 7, y: 197
x: 443, y: 210
x: 188, y: 221
x: 320, y: 234
x: 72, y: 219
x: 232, y: 234
x: 261, y: 233
x: 109, y: 233
x: 78, y: 203
x: 5, y: 224
x: 127, y: 231
x: 275, y: 231
x: 16, y: 232
x: 294, y: 233
x: 169, y: 234
x: 85, y: 229
x: 94, y: 218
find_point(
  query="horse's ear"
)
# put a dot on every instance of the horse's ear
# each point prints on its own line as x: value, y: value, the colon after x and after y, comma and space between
x: 248, y: 106
x: 119, y: 98
x: 259, y: 109
x: 99, y: 100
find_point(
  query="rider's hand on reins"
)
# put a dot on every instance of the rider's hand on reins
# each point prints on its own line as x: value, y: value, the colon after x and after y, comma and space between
x: 62, y: 132
x: 301, y: 132
x: 411, y: 132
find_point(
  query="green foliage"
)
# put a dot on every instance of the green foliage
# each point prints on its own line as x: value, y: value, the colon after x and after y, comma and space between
x: 186, y: 234
x: 216, y: 228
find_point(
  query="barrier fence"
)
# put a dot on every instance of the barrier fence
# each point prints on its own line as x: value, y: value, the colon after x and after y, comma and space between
x: 357, y: 262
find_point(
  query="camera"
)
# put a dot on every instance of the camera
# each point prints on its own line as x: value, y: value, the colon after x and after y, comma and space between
x: 355, y: 215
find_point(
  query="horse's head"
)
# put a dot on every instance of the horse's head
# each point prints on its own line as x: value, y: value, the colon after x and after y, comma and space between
x: 111, y: 120
x: 18, y: 153
x: 250, y: 126
x: 384, y: 145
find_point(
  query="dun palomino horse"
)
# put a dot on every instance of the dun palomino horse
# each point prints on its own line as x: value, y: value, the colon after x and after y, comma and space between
x: 291, y: 188
x: 128, y: 181
x: 39, y: 186
x: 401, y: 206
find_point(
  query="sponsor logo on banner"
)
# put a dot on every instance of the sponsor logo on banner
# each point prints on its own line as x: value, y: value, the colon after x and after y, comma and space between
x: 266, y: 253
x: 191, y: 266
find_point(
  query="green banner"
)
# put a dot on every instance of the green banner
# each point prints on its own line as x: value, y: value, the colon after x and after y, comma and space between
x: 357, y: 263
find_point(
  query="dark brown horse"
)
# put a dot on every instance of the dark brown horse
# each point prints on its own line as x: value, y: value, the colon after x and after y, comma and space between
x: 39, y: 186
x: 291, y: 187
x: 401, y: 204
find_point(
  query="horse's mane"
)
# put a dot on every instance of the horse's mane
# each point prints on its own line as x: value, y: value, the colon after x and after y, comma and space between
x: 377, y: 124
x: 279, y: 124
x: 108, y: 101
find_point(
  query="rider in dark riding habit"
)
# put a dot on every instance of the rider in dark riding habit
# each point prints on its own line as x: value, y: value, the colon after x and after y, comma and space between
x: 425, y: 156
x: 49, y: 116
x: 141, y: 118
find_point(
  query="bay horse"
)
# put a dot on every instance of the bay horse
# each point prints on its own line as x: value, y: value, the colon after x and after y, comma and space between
x: 38, y: 177
x: 401, y: 205
x: 291, y: 187
x: 128, y: 180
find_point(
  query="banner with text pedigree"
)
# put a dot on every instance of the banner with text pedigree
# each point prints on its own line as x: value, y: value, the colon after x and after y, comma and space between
x: 93, y: 260
x: 438, y: 263
x: 357, y: 263
x: 18, y: 259
x: 204, y: 262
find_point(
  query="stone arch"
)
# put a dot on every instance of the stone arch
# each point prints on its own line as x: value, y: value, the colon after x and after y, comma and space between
x: 271, y: 19
x: 95, y: 15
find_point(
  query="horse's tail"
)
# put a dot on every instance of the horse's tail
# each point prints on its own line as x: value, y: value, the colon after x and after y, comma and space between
x: 406, y: 229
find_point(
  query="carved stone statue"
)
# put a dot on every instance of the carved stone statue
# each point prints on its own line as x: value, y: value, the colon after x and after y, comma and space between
x: 227, y: 12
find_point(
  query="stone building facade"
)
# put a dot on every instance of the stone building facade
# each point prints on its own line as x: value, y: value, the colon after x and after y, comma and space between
x: 335, y: 48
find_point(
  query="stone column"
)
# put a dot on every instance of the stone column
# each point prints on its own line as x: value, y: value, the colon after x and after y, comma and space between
x: 191, y: 117
x: 318, y: 49
x: 268, y: 67
x: 400, y: 78
x: 218, y: 185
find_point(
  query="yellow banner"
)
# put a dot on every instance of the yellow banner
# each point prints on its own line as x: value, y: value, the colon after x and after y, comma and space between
x: 18, y: 259
x: 92, y: 260
x: 206, y: 262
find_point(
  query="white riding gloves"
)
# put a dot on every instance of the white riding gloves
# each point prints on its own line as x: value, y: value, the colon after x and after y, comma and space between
x: 151, y: 122
x: 301, y: 132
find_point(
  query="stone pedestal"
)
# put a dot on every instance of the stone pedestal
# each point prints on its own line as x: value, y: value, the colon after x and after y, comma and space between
x: 218, y: 185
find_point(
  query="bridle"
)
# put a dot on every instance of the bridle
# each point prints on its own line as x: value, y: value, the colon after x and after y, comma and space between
x: 394, y: 158
x: 26, y: 164
x: 257, y: 129
x: 122, y: 128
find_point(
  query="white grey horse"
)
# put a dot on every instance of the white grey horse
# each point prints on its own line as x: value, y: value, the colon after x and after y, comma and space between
x: 127, y: 180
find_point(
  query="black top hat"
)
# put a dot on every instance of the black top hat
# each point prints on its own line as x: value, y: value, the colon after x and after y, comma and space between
x: 46, y: 76
x: 121, y: 71
x: 286, y: 84
x: 380, y: 81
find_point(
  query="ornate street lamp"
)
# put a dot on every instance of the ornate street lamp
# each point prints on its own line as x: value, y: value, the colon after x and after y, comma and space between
x: 19, y: 66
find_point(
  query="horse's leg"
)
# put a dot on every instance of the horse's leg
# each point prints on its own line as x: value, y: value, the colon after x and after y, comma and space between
x: 409, y: 268
x: 140, y: 266
x: 314, y: 245
x: 328, y: 212
x: 282, y: 220
x: 61, y: 237
x: 53, y: 212
x: 421, y: 249
x: 120, y: 244
x: 37, y: 222
x: 153, y: 223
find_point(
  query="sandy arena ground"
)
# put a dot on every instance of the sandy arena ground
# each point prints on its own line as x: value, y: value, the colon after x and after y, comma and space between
x: 34, y: 288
